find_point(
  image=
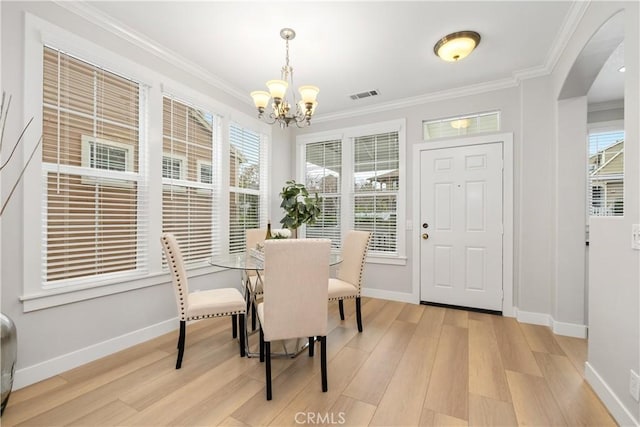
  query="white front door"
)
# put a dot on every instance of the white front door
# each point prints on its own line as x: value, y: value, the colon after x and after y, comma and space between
x: 461, y: 226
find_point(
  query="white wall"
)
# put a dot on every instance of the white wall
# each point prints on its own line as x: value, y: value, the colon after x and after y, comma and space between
x: 571, y: 184
x: 614, y: 281
x: 59, y: 338
x: 536, y: 197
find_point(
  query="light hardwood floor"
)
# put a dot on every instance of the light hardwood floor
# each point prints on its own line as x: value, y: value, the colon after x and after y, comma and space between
x: 412, y: 366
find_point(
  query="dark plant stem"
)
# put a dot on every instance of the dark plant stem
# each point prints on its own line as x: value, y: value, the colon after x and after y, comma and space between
x: 4, y: 205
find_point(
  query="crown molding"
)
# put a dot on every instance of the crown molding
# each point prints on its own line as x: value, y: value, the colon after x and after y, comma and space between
x: 607, y: 105
x: 117, y: 28
x: 569, y: 26
x: 420, y: 99
x: 106, y: 22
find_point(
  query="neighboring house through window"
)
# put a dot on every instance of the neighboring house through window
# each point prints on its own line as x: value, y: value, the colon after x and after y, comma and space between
x: 606, y: 172
x: 94, y: 192
x: 359, y: 173
x: 107, y: 188
x: 189, y: 208
x: 247, y: 183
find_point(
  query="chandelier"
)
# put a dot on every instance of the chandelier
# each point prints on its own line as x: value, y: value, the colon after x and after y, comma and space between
x: 282, y: 109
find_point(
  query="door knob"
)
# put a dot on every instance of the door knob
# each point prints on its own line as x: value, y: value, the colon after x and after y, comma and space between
x: 425, y: 236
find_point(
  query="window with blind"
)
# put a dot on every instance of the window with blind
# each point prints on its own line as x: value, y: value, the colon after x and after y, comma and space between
x: 360, y: 176
x: 461, y: 125
x: 94, y: 196
x: 323, y: 173
x: 606, y: 173
x: 189, y: 207
x: 375, y: 189
x: 247, y: 183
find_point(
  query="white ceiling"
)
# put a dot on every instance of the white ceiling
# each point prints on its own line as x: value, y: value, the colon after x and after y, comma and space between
x: 348, y: 47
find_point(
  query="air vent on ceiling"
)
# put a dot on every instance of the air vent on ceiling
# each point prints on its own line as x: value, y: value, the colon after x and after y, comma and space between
x: 364, y: 94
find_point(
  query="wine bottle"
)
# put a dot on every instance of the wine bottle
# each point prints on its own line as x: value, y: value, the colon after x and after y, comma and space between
x: 268, y: 236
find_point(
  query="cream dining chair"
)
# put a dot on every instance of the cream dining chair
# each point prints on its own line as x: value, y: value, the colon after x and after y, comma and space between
x: 348, y: 281
x: 295, y: 298
x: 203, y: 304
x: 253, y: 282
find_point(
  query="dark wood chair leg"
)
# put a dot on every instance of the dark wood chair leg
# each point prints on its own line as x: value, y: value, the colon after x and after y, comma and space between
x: 242, y: 326
x: 311, y: 345
x: 253, y: 316
x: 267, y: 349
x: 358, y: 314
x: 323, y: 362
x: 341, y: 308
x: 261, y: 345
x: 234, y: 325
x: 181, y: 340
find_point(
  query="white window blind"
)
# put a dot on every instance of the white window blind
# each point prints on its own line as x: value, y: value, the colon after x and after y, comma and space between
x: 375, y: 191
x: 247, y: 183
x: 606, y: 174
x: 189, y: 205
x: 94, y: 208
x: 323, y: 175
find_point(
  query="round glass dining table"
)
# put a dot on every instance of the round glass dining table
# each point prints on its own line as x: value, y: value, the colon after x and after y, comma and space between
x: 245, y: 262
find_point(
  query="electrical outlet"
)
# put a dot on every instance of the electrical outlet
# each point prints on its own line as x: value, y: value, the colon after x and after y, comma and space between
x: 634, y: 385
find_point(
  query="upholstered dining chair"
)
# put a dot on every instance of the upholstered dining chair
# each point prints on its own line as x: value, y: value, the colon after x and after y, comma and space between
x: 348, y: 281
x: 254, y: 282
x: 295, y: 298
x: 203, y: 304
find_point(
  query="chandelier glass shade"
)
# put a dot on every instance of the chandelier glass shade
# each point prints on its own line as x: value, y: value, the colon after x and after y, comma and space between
x: 283, y: 111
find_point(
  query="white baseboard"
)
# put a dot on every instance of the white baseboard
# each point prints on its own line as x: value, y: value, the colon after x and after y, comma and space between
x: 533, y: 318
x: 559, y: 328
x: 390, y: 295
x: 569, y: 329
x: 621, y: 414
x: 49, y: 368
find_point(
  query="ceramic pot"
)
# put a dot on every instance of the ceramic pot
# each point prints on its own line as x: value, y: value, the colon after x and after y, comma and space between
x: 9, y: 346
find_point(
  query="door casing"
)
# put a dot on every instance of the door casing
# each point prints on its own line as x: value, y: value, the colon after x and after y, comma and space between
x: 506, y: 139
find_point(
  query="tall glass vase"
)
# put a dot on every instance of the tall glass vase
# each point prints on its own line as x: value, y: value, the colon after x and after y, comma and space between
x: 9, y: 345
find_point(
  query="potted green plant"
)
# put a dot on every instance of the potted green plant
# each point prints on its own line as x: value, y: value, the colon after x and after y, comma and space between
x: 299, y: 207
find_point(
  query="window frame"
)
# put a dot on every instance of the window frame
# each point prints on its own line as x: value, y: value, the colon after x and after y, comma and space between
x: 183, y: 185
x: 86, y: 160
x: 181, y: 170
x: 612, y: 126
x: 347, y: 136
x: 38, y: 33
x: 262, y: 193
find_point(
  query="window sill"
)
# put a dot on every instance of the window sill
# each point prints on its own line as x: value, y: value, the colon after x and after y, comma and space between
x: 389, y: 260
x: 48, y: 298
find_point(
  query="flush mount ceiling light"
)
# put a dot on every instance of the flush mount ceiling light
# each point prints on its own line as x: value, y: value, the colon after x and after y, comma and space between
x: 460, y: 123
x: 281, y: 108
x: 456, y: 46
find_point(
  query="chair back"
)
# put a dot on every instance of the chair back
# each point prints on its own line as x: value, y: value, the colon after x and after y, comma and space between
x: 254, y: 236
x: 354, y: 254
x: 295, y: 295
x: 178, y: 273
